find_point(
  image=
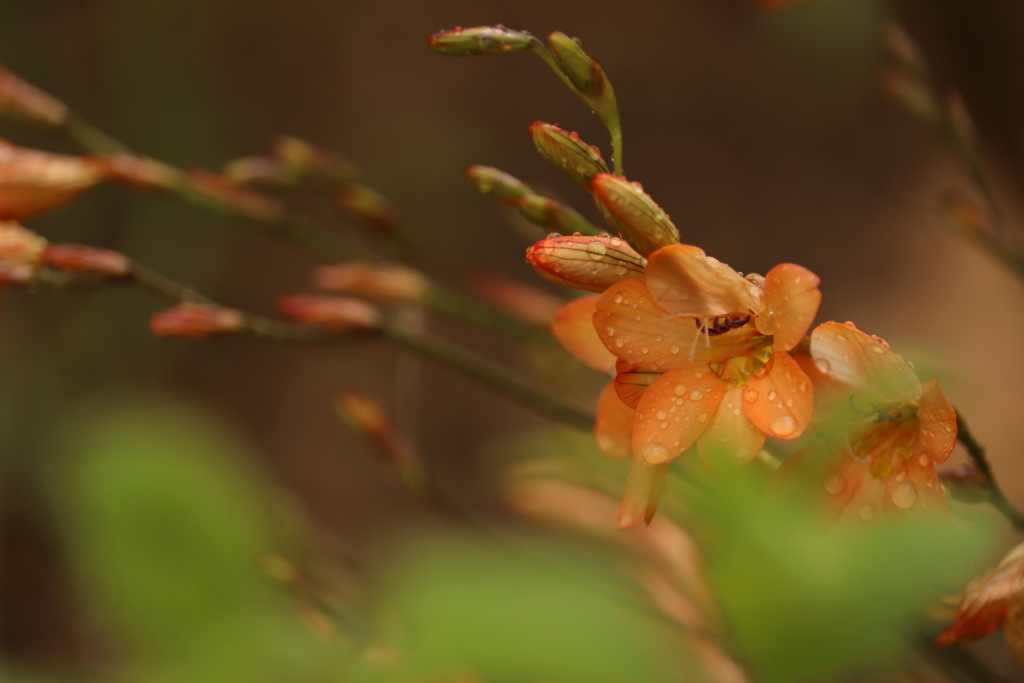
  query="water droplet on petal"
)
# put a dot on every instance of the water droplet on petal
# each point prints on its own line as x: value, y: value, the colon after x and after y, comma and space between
x: 823, y: 364
x: 772, y: 395
x: 866, y: 511
x: 698, y: 375
x: 803, y: 385
x: 680, y: 389
x: 835, y: 484
x: 655, y: 453
x: 736, y: 412
x: 674, y: 349
x: 696, y: 395
x: 618, y: 298
x: 644, y: 350
x: 611, y: 331
x: 661, y: 415
x: 878, y: 349
x: 783, y: 425
x: 596, y: 250
x: 618, y: 343
x: 664, y: 425
x: 904, y: 494
x: 924, y: 460
x: 750, y: 396
x: 702, y: 418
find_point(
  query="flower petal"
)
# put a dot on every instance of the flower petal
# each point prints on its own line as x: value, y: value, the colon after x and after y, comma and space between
x: 938, y: 424
x: 731, y: 436
x: 675, y: 410
x: 613, y: 428
x: 685, y: 281
x: 630, y: 383
x: 574, y: 329
x: 641, y: 334
x: 586, y: 262
x: 791, y: 300
x: 644, y: 487
x: 864, y: 363
x: 987, y: 600
x: 780, y: 402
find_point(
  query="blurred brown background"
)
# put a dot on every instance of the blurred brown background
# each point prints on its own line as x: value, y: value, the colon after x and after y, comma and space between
x: 764, y: 136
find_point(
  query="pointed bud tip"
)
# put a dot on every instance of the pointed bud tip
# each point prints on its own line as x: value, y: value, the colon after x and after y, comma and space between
x: 194, y: 321
x: 80, y: 258
x: 479, y: 40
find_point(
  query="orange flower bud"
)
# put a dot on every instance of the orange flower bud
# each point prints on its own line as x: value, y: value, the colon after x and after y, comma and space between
x: 27, y: 102
x: 20, y: 246
x: 499, y: 184
x: 222, y: 191
x: 577, y: 159
x: 479, y: 40
x: 633, y: 213
x: 335, y: 313
x: 80, y: 258
x: 518, y: 299
x: 195, y: 321
x: 367, y: 417
x: 383, y: 281
x: 257, y: 171
x: 32, y: 181
x: 300, y: 160
x: 15, y: 273
x: 581, y: 262
x: 369, y: 206
x: 553, y: 215
x: 141, y: 171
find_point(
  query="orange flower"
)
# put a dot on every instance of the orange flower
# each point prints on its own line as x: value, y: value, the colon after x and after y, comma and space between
x: 712, y: 349
x: 884, y: 430
x: 32, y: 181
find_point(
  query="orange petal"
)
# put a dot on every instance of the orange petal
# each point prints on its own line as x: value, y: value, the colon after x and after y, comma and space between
x: 613, y: 429
x: 640, y: 333
x: 574, y: 328
x: 644, y: 487
x: 864, y: 363
x: 587, y: 262
x: 925, y: 491
x: 938, y: 424
x: 685, y: 281
x: 987, y: 600
x: 731, y: 435
x: 791, y: 300
x: 630, y: 384
x: 675, y: 410
x: 780, y: 402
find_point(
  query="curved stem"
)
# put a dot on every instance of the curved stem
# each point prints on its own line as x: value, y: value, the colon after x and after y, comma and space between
x: 995, y: 495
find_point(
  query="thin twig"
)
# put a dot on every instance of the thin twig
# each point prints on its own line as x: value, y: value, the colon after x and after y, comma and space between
x: 995, y: 495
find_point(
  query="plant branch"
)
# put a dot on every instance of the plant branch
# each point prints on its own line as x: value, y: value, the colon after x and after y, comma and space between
x: 995, y: 495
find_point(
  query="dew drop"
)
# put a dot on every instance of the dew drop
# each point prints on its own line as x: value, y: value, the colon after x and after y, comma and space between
x: 904, y: 495
x: 596, y: 250
x: 772, y: 395
x: 702, y: 418
x: 866, y: 511
x: 698, y: 375
x: 618, y: 298
x: 655, y: 453
x: 605, y: 443
x: 639, y: 317
x: 924, y: 460
x: 618, y: 343
x: 789, y: 402
x: 724, y: 438
x: 750, y: 396
x: 664, y: 425
x: 616, y: 242
x: 743, y: 452
x: 611, y: 331
x: 661, y: 414
x: 878, y: 349
x: 835, y: 484
x: 696, y: 395
x: 674, y: 349
x: 803, y: 386
x: 783, y: 425
x: 644, y: 350
x: 680, y: 389
x: 736, y: 412
x: 823, y: 364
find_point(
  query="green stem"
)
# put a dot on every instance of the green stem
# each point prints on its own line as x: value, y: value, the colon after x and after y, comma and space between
x: 995, y: 495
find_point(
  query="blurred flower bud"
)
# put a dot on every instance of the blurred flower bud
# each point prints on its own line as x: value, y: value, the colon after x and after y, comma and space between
x: 965, y: 214
x: 910, y: 92
x: 335, y: 313
x: 645, y: 485
x: 142, y: 171
x: 902, y: 49
x: 16, y: 273
x: 237, y: 199
x: 582, y: 262
x: 195, y: 321
x: 520, y: 300
x: 378, y: 281
x: 566, y: 151
x: 633, y: 213
x: 19, y: 246
x: 256, y: 170
x: 553, y: 215
x: 368, y: 418
x: 479, y: 40
x: 32, y: 181
x: 369, y: 206
x: 302, y: 161
x: 500, y: 185
x: 24, y: 101
x: 79, y: 258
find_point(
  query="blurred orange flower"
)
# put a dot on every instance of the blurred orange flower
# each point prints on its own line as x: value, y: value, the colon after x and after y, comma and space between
x: 32, y: 181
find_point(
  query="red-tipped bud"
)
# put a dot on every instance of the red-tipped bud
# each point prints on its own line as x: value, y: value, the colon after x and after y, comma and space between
x: 577, y: 159
x: 498, y: 184
x: 367, y: 417
x: 518, y: 299
x: 195, y: 321
x: 19, y: 246
x: 220, y: 190
x: 369, y: 206
x: 586, y: 75
x: 480, y: 40
x: 582, y: 262
x: 79, y: 258
x: 24, y: 101
x: 335, y: 313
x: 553, y: 215
x: 32, y: 181
x: 378, y: 281
x: 142, y: 171
x: 633, y: 213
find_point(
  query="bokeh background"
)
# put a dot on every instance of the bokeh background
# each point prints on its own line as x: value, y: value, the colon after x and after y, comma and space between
x: 764, y: 135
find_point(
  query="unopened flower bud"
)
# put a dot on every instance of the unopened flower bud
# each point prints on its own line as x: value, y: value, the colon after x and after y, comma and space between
x: 577, y: 159
x: 902, y: 49
x: 480, y: 40
x: 579, y: 67
x: 256, y: 170
x: 553, y: 215
x: 302, y: 161
x: 369, y: 206
x: 220, y: 190
x: 142, y: 171
x: 910, y: 92
x: 633, y: 213
x: 19, y: 246
x: 498, y: 184
x: 584, y: 262
x: 195, y: 321
x: 79, y: 258
x: 645, y: 485
x: 520, y: 300
x: 32, y: 181
x: 24, y: 101
x: 335, y: 313
x: 378, y: 281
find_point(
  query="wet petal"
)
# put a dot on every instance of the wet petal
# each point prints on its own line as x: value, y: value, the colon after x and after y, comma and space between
x: 731, y: 435
x: 863, y: 363
x: 630, y: 383
x: 592, y: 263
x: 921, y: 488
x: 780, y: 402
x: 938, y: 424
x: 675, y: 410
x: 613, y: 428
x: 574, y: 329
x: 987, y: 600
x: 644, y: 487
x: 685, y: 281
x: 791, y: 300
x: 640, y: 333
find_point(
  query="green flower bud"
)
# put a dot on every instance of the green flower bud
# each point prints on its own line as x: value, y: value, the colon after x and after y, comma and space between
x: 566, y: 151
x: 498, y: 184
x: 480, y: 40
x: 633, y: 213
